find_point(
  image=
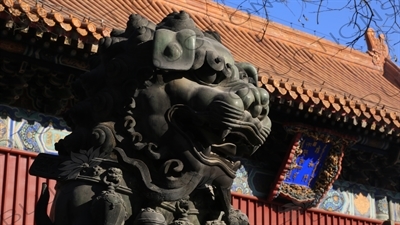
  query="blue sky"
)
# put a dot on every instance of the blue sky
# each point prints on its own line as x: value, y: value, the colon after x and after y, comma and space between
x: 332, y: 22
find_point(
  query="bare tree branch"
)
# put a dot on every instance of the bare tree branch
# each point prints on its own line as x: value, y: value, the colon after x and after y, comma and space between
x: 364, y: 14
x: 319, y: 8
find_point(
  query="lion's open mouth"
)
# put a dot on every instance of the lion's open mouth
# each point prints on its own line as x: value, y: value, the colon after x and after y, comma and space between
x: 220, y: 132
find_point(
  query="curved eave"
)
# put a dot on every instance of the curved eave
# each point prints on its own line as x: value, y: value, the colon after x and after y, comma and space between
x: 20, y: 15
x: 321, y: 76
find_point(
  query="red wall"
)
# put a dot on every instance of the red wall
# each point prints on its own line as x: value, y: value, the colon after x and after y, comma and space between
x: 263, y: 213
x: 20, y: 191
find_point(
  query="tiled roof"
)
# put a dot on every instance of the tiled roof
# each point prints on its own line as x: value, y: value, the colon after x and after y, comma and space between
x: 47, y: 17
x: 296, y: 68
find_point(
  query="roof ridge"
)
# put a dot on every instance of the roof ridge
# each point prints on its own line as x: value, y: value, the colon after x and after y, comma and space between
x: 250, y: 22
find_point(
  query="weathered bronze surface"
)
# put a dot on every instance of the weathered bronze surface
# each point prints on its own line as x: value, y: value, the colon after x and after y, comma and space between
x: 162, y: 111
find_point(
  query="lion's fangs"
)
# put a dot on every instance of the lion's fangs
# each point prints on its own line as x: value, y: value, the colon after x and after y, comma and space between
x: 225, y: 133
x: 235, y: 164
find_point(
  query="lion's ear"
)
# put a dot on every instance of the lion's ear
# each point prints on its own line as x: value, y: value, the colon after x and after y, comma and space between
x: 174, y: 50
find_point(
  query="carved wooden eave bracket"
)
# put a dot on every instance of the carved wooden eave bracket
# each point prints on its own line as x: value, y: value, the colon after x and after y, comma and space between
x: 41, y: 20
x: 311, y: 166
x: 377, y: 47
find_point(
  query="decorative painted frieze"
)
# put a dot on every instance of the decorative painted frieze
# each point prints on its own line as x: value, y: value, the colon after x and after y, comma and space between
x: 29, y: 130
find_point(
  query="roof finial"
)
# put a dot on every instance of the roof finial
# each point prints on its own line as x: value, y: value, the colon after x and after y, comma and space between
x: 377, y: 47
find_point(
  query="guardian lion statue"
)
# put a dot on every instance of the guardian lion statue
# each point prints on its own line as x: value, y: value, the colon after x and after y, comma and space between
x: 162, y: 114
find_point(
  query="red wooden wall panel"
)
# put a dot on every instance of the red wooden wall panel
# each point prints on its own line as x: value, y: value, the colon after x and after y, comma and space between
x: 19, y: 192
x: 264, y: 213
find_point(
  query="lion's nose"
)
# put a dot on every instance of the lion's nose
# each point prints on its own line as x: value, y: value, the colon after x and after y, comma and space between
x: 255, y: 100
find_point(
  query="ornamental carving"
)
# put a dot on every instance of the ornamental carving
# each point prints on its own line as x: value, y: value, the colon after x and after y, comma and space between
x: 377, y: 47
x: 163, y: 109
x: 311, y: 166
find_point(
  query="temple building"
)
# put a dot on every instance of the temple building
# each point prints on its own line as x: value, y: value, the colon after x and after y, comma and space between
x: 332, y: 157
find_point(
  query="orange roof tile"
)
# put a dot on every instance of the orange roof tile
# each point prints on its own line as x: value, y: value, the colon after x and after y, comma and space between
x: 292, y: 65
x: 46, y: 16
